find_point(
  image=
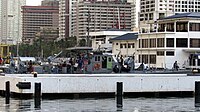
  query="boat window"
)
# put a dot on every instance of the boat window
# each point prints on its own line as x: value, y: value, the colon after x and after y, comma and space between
x: 97, y: 58
x: 109, y: 59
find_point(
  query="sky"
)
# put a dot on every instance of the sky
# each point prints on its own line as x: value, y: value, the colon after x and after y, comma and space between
x: 33, y: 2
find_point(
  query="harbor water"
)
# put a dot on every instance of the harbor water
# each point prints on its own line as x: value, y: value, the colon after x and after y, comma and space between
x: 171, y: 104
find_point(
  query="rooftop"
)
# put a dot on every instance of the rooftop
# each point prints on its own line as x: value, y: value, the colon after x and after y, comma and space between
x: 128, y: 36
x: 114, y: 29
x: 183, y: 15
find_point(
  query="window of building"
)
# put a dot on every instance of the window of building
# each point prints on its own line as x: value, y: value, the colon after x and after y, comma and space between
x: 140, y: 58
x: 161, y: 15
x: 125, y: 45
x: 182, y: 26
x: 170, y: 27
x: 182, y: 42
x: 129, y: 45
x: 116, y: 43
x: 145, y: 43
x: 152, y: 43
x: 121, y: 45
x: 194, y: 26
x: 133, y: 45
x: 161, y: 27
x: 144, y: 59
x: 160, y: 53
x: 170, y: 42
x: 195, y: 43
x: 169, y: 53
x: 160, y: 42
x: 97, y: 58
x: 139, y: 43
x: 152, y: 59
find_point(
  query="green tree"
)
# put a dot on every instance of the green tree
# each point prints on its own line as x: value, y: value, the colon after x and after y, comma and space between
x: 82, y: 43
x: 48, y: 47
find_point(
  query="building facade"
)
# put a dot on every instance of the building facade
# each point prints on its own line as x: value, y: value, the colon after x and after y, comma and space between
x: 151, y: 10
x: 125, y: 45
x: 100, y: 40
x: 11, y: 21
x: 76, y: 16
x: 101, y: 15
x: 50, y: 3
x: 36, y: 17
x: 176, y: 39
x: 67, y: 17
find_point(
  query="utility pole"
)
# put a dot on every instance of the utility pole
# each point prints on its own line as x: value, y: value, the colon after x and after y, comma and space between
x: 88, y: 29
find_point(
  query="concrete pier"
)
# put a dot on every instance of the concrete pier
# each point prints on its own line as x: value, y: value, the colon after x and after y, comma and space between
x: 101, y: 83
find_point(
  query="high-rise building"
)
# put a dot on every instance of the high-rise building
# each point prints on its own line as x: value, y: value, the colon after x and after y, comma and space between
x: 134, y: 13
x: 11, y: 21
x: 151, y: 10
x: 77, y: 16
x: 36, y: 18
x: 65, y: 17
x: 50, y: 3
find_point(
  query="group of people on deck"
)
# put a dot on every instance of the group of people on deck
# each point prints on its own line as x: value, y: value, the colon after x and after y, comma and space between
x: 74, y: 64
x: 128, y: 62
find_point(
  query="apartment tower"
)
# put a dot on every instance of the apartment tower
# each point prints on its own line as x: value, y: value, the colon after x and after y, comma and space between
x: 151, y: 10
x: 36, y: 18
x: 11, y: 21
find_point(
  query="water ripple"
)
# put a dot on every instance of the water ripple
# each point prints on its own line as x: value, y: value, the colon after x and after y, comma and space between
x: 102, y: 105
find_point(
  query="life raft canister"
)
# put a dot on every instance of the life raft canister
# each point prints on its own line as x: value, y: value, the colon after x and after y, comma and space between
x: 97, y: 66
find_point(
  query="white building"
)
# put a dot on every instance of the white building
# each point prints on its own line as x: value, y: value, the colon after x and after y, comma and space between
x: 151, y: 10
x: 176, y: 39
x: 101, y: 39
x: 125, y: 45
x: 11, y: 21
